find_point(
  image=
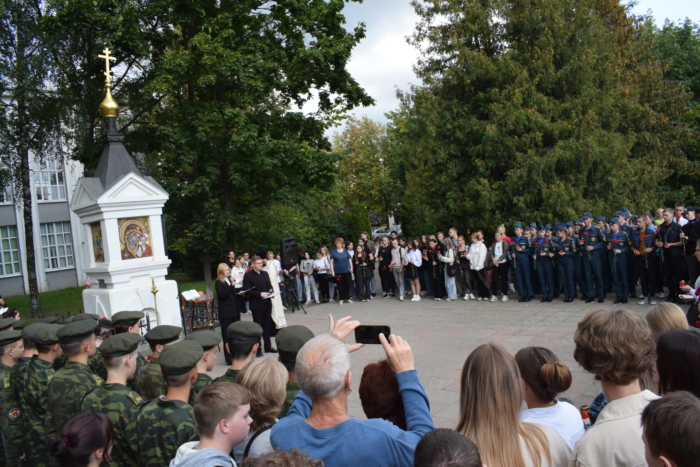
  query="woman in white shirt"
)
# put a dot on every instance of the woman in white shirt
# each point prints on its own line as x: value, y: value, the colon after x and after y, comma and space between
x: 236, y: 278
x: 412, y: 262
x: 544, y: 376
x: 321, y: 269
x: 306, y: 267
x: 477, y: 258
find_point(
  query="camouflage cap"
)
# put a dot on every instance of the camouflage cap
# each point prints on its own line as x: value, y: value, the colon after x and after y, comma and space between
x: 206, y: 339
x: 244, y: 331
x: 180, y: 357
x: 76, y: 331
x: 8, y: 337
x: 163, y: 334
x: 81, y: 317
x: 6, y: 323
x: 22, y: 323
x: 29, y: 331
x: 127, y: 317
x: 120, y: 344
x: 290, y: 340
x: 46, y: 334
x: 49, y: 320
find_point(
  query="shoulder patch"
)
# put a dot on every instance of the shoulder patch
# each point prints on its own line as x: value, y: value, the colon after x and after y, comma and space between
x: 135, y: 398
x: 48, y: 377
x: 97, y: 379
x: 13, y: 414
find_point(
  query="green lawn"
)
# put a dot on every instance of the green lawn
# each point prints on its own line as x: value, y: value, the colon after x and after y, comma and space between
x: 67, y: 302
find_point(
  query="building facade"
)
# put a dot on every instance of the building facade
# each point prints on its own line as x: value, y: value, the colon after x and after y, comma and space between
x: 58, y: 234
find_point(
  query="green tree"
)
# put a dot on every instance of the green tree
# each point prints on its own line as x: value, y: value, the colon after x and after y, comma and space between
x: 357, y: 221
x: 368, y: 172
x: 555, y: 109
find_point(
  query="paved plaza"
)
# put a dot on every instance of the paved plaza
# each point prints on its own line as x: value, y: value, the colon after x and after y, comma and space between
x: 442, y: 334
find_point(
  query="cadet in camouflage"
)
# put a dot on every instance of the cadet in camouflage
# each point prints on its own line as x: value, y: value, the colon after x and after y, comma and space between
x: 33, y: 395
x: 130, y: 322
x: 114, y: 398
x: 74, y: 381
x: 103, y: 331
x: 163, y: 424
x: 243, y: 344
x: 289, y: 341
x: 209, y: 342
x: 11, y: 349
x: 150, y: 383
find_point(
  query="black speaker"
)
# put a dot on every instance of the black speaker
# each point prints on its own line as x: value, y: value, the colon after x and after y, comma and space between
x: 288, y: 253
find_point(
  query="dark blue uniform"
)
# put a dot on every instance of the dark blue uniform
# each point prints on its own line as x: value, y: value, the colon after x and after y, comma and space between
x: 520, y: 253
x: 592, y: 261
x: 618, y: 263
x: 647, y: 263
x: 672, y: 260
x: 566, y: 252
x: 544, y: 264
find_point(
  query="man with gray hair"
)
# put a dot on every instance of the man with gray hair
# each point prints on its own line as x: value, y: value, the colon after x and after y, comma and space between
x: 318, y: 422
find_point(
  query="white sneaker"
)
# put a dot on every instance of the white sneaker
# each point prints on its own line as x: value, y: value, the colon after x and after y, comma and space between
x: 504, y: 298
x: 318, y: 301
x: 331, y: 301
x: 493, y: 298
x: 466, y: 296
x: 478, y: 299
x: 471, y: 296
x: 401, y: 298
x: 643, y: 301
x: 349, y: 301
x: 307, y: 302
x: 449, y: 299
x: 652, y: 301
x: 511, y: 288
x: 340, y: 302
x: 417, y: 298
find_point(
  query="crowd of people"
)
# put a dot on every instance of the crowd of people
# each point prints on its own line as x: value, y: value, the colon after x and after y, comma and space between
x: 67, y: 404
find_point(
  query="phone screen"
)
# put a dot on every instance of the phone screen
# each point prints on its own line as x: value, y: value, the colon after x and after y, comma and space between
x: 369, y: 334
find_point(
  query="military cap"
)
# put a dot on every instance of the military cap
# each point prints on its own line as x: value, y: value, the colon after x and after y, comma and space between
x: 49, y: 320
x: 559, y: 226
x: 587, y: 215
x: 163, y: 334
x: 29, y: 331
x: 548, y: 227
x: 624, y: 209
x: 120, y: 344
x: 81, y: 317
x: 105, y: 323
x: 614, y: 220
x: 579, y: 223
x: 206, y: 339
x: 8, y: 337
x: 6, y: 323
x: 127, y: 317
x: 533, y: 225
x: 518, y: 225
x: 244, y: 331
x: 601, y: 218
x: 22, y: 323
x: 291, y: 339
x: 540, y: 227
x: 76, y: 331
x: 690, y: 208
x: 180, y: 357
x: 46, y: 334
x: 570, y: 224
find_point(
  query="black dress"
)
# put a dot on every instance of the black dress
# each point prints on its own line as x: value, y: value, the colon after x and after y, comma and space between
x: 228, y: 310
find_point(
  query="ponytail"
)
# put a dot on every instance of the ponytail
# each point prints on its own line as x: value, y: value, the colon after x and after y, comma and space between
x: 543, y: 372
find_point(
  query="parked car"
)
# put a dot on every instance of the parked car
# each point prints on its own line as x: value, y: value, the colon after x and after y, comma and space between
x: 378, y: 234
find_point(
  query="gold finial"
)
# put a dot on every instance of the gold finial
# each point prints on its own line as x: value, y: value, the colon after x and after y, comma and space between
x: 108, y: 107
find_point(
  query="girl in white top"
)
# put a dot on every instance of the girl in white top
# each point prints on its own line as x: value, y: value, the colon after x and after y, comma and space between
x: 237, y: 273
x: 477, y: 258
x: 322, y: 267
x: 306, y: 267
x: 543, y: 377
x: 412, y: 261
x: 490, y: 398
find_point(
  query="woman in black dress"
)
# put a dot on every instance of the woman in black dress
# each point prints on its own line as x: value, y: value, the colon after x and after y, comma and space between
x: 228, y: 309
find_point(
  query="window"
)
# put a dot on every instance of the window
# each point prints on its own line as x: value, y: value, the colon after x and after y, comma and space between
x: 56, y: 245
x: 9, y: 251
x: 49, y: 183
x: 6, y: 193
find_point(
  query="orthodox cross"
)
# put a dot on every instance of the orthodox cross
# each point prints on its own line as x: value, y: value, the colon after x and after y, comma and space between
x: 107, y: 57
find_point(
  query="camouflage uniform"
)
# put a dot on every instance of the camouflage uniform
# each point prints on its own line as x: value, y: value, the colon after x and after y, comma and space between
x: 10, y: 419
x: 229, y: 377
x: 150, y: 383
x: 67, y: 389
x: 141, y: 363
x: 120, y: 404
x: 159, y: 429
x: 292, y: 391
x: 33, y: 401
x: 97, y: 365
x: 203, y: 380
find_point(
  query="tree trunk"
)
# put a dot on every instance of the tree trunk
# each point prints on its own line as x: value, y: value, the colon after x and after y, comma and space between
x: 206, y: 262
x: 228, y: 205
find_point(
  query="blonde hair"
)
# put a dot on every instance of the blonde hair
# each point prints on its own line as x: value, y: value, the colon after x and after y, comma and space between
x: 220, y: 271
x: 665, y: 317
x: 489, y: 406
x: 217, y: 402
x: 266, y: 379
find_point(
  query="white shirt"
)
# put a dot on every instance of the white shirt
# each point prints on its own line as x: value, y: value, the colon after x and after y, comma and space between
x: 682, y: 221
x: 563, y: 417
x: 414, y: 257
x: 498, y: 251
x: 278, y: 265
x: 237, y: 276
x: 477, y: 255
x: 558, y: 449
x: 323, y: 264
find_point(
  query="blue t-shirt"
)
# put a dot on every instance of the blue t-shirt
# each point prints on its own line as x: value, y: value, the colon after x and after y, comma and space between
x: 367, y: 443
x: 341, y: 261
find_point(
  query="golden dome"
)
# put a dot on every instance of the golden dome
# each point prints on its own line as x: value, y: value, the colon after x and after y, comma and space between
x: 109, y: 107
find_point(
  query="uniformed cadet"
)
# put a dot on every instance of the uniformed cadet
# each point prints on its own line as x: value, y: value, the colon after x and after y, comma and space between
x: 167, y: 422
x: 210, y: 345
x: 618, y: 244
x: 606, y: 255
x: 565, y: 251
x: 34, y: 392
x: 670, y: 243
x: 243, y: 343
x: 11, y: 349
x: 591, y: 242
x: 643, y: 248
x: 543, y: 256
x: 114, y: 398
x: 48, y: 320
x: 150, y: 383
x: 74, y: 381
x: 6, y: 324
x: 130, y: 321
x: 61, y: 362
x: 520, y: 253
x: 289, y: 341
x: 103, y: 331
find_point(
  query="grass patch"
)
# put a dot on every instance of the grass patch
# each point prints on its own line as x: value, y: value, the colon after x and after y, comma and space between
x: 68, y: 302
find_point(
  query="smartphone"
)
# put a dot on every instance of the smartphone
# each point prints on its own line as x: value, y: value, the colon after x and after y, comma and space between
x: 370, y: 334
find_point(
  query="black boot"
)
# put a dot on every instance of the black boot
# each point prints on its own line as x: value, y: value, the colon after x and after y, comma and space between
x: 589, y: 299
x: 617, y: 300
x: 601, y: 300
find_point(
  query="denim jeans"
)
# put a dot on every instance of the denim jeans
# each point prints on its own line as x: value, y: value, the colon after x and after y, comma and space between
x: 450, y: 286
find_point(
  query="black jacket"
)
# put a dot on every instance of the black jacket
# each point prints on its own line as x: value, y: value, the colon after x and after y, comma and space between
x: 227, y: 299
x: 261, y: 282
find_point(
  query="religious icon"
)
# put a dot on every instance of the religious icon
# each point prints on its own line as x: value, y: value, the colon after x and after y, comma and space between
x: 97, y: 247
x: 134, y: 237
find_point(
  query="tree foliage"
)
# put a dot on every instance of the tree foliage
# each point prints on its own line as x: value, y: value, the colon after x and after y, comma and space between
x: 535, y: 110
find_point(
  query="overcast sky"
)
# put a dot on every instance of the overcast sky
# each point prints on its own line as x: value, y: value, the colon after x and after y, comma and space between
x: 383, y: 61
